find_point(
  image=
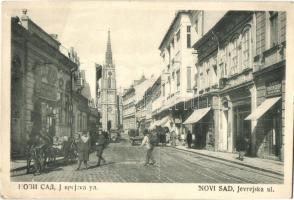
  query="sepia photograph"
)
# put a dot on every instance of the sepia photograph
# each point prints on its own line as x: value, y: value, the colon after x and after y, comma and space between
x: 125, y: 93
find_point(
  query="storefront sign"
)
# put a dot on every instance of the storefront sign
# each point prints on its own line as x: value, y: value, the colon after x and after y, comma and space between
x: 273, y: 88
x: 45, y: 85
x: 46, y: 91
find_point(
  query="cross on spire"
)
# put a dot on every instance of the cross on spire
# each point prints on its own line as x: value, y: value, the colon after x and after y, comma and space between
x: 108, y: 54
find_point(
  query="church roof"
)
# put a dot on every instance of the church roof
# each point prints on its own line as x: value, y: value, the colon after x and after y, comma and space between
x: 108, y: 54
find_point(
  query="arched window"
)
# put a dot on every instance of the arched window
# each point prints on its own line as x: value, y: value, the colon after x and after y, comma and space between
x: 234, y: 56
x: 245, y: 48
x: 109, y: 79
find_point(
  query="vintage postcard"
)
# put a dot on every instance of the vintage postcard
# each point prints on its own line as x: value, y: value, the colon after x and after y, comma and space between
x: 147, y: 100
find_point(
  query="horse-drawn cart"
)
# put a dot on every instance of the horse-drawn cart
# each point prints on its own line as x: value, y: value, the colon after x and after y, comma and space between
x: 42, y: 154
x: 134, y: 136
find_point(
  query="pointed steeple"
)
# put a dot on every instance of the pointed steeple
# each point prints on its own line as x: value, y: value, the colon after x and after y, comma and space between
x: 108, y: 54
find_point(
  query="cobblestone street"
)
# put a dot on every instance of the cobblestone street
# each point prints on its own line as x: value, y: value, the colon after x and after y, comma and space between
x: 125, y: 164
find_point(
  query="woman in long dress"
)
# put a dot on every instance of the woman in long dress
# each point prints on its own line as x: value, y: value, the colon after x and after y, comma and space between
x: 83, y: 145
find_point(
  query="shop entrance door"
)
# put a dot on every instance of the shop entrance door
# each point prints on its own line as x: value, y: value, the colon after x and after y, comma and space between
x: 273, y: 132
x: 201, y: 129
x: 242, y: 127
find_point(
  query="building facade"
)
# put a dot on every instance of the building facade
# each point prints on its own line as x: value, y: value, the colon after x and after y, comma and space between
x: 178, y: 77
x: 268, y: 119
x: 240, y: 73
x: 41, y: 84
x: 129, y: 109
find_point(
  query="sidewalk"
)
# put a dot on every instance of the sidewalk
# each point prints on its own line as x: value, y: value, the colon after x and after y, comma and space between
x: 18, y: 165
x: 271, y: 166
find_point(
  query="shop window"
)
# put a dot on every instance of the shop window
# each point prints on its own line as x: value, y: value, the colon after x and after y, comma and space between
x: 273, y: 28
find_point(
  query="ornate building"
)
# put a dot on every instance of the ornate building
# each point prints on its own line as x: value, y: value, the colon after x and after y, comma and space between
x: 107, y: 99
x: 41, y: 88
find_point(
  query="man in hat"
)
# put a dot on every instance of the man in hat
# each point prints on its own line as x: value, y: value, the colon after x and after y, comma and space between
x: 100, y: 145
x: 149, y: 146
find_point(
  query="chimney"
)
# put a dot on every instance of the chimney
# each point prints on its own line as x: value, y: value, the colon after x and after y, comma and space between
x: 54, y: 36
x: 24, y: 19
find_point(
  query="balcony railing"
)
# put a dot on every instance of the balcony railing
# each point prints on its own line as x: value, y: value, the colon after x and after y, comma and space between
x: 270, y: 57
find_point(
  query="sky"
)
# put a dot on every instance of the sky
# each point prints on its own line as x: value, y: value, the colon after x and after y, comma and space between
x: 136, y: 33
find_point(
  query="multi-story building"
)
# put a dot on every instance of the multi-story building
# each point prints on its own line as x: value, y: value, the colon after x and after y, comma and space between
x: 268, y: 114
x: 41, y: 87
x: 130, y: 98
x: 148, y: 88
x: 224, y: 82
x: 129, y: 109
x: 178, y: 75
x: 240, y: 81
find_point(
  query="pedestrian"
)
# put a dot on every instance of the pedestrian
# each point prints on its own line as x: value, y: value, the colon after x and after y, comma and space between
x: 83, y: 145
x: 243, y: 146
x: 149, y: 146
x: 173, y: 133
x: 189, y: 138
x: 100, y: 145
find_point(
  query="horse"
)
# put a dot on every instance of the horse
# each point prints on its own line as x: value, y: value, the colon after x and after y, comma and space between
x: 37, y: 155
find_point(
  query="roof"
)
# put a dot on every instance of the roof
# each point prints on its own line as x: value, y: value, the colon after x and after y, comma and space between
x: 219, y: 26
x: 141, y: 88
x: 172, y: 25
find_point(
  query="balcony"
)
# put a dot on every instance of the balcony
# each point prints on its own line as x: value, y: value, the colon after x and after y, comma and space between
x: 270, y: 57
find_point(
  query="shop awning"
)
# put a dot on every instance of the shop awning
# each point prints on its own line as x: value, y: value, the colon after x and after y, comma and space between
x: 156, y: 123
x: 262, y: 109
x: 163, y: 121
x: 166, y: 123
x: 197, y: 115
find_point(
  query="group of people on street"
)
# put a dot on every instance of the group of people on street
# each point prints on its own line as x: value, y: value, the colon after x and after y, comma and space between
x: 84, y: 146
x: 79, y: 146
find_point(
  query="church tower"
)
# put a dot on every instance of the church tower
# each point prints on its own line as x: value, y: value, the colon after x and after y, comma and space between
x: 108, y: 91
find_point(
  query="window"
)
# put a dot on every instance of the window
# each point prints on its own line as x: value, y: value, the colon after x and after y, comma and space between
x: 109, y: 79
x: 79, y: 122
x: 273, y: 28
x: 196, y: 26
x: 189, y: 74
x: 163, y: 89
x: 234, y: 56
x: 201, y: 80
x: 169, y: 85
x: 66, y: 109
x: 188, y: 36
x: 178, y: 35
x: 228, y: 59
x: 172, y: 43
x: 178, y: 80
x: 245, y: 49
x: 207, y: 78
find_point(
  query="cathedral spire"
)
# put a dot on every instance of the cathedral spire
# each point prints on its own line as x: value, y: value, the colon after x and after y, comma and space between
x: 108, y: 54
